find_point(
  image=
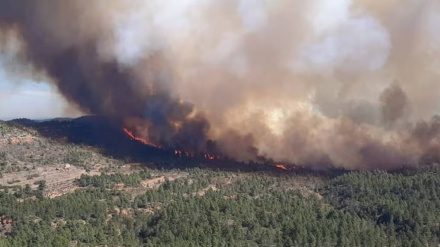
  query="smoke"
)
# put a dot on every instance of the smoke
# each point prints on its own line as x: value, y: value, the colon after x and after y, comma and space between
x: 394, y: 103
x: 68, y: 42
x: 346, y: 83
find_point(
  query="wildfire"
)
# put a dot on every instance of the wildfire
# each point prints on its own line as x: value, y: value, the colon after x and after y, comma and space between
x: 141, y: 140
x: 187, y: 154
x: 212, y: 157
x: 179, y: 153
x: 281, y: 166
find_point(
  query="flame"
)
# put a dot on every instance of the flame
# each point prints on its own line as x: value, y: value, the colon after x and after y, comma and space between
x: 177, y: 152
x: 181, y: 153
x: 187, y: 154
x: 281, y: 166
x: 212, y: 156
x: 141, y: 140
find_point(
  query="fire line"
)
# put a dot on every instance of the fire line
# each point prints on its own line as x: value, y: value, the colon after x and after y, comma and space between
x: 281, y: 166
x: 141, y: 140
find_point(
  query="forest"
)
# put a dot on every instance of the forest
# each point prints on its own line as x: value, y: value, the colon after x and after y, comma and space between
x: 218, y: 208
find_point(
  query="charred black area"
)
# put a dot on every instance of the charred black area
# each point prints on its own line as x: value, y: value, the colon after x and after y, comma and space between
x: 108, y: 137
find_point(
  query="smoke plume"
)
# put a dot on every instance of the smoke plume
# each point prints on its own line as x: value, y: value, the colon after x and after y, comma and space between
x: 343, y: 83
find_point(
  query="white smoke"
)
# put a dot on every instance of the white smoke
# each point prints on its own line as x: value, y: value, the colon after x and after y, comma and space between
x: 341, y: 82
x: 292, y: 74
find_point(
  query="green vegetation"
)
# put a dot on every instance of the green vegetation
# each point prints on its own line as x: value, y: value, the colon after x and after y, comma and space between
x: 407, y: 206
x: 77, y: 157
x: 109, y: 181
x: 46, y: 199
x: 25, y: 149
x: 207, y: 208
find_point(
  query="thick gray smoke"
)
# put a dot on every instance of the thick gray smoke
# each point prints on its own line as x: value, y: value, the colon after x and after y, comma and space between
x: 342, y: 83
x: 62, y: 39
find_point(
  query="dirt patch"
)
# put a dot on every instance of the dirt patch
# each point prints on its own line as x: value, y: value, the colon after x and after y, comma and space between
x: 203, y: 192
x: 156, y: 182
x: 59, y: 180
x: 153, y: 183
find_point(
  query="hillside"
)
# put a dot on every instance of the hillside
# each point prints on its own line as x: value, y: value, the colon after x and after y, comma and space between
x: 64, y: 183
x: 27, y: 157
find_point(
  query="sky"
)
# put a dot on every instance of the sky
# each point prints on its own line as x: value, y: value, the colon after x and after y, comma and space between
x: 24, y: 98
x: 335, y: 43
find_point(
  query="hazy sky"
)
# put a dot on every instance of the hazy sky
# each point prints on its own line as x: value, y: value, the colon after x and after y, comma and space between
x: 28, y: 99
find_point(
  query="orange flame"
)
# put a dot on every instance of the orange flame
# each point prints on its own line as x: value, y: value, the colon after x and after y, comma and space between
x: 181, y: 153
x: 281, y: 166
x: 212, y: 157
x: 141, y: 140
x: 187, y: 154
x: 177, y: 152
